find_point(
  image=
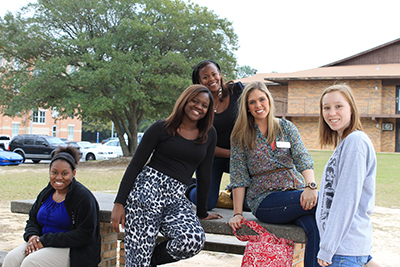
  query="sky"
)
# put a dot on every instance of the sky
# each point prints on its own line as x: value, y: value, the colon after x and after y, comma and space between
x: 293, y: 35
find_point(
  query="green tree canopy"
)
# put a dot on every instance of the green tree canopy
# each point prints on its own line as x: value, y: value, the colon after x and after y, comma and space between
x: 118, y: 60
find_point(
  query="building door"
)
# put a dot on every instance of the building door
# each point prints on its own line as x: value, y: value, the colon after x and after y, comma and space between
x: 397, y: 99
x: 397, y: 148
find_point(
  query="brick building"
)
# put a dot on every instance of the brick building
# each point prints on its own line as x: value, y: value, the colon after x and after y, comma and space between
x: 44, y: 122
x: 374, y: 76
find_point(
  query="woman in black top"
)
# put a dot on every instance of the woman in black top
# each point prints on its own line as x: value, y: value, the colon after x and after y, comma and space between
x: 151, y: 196
x: 225, y: 95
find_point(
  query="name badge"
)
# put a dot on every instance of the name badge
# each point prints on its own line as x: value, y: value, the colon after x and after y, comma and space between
x: 281, y: 144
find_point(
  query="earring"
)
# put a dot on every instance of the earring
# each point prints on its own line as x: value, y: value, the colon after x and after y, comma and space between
x: 220, y: 92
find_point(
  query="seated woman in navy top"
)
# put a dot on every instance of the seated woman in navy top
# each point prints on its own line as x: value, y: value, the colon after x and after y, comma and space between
x: 63, y: 228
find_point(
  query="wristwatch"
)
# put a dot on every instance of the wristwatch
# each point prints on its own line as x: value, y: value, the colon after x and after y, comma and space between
x: 312, y: 185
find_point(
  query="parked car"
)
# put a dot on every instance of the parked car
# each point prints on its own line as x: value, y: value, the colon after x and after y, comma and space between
x: 5, y: 141
x: 77, y: 146
x: 93, y: 152
x: 109, y: 139
x: 35, y: 147
x: 115, y: 146
x: 139, y: 137
x: 10, y: 158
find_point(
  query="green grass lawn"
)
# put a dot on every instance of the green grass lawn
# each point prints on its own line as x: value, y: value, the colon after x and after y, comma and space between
x: 26, y: 180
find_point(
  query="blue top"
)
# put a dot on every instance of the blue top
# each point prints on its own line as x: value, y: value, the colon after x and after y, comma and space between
x: 53, y: 217
x: 347, y: 199
x: 284, y: 165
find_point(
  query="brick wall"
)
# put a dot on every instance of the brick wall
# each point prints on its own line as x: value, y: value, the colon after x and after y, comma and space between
x: 388, y: 138
x: 308, y: 128
x: 109, y: 245
x: 371, y: 97
x: 298, y: 255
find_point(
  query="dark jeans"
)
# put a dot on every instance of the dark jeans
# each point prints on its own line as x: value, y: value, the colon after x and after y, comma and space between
x: 220, y: 165
x: 284, y: 207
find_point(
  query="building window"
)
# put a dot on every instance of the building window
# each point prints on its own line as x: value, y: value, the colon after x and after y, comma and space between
x: 15, y: 129
x: 39, y: 117
x: 54, y: 131
x: 70, y: 132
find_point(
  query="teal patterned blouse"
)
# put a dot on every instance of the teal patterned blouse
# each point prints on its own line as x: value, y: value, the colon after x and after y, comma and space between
x: 283, y: 165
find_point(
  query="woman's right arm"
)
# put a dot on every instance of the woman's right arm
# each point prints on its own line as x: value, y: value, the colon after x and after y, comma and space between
x: 144, y: 150
x: 239, y: 194
x: 32, y: 226
x: 117, y: 216
x: 240, y: 179
x: 139, y: 159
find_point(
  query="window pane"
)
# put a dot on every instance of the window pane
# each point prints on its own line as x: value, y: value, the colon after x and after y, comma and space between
x: 71, y: 132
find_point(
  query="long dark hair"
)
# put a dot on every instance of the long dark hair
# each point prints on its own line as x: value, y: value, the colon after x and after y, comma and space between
x: 226, y: 86
x: 175, y: 119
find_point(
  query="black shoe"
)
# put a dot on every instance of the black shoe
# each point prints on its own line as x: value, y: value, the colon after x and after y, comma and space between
x: 160, y: 255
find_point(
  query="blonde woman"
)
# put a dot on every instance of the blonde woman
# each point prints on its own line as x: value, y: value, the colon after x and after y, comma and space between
x: 269, y: 158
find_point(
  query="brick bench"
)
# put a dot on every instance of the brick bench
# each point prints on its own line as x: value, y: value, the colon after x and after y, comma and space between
x: 219, y: 236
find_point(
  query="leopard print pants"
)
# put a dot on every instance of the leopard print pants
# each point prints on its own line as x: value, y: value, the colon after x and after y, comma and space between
x: 155, y: 204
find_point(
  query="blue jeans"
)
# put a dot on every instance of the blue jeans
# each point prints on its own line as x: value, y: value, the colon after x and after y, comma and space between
x: 220, y: 165
x: 349, y: 261
x: 284, y: 207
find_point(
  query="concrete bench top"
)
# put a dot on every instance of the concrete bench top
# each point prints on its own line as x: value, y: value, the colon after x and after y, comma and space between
x: 221, y: 226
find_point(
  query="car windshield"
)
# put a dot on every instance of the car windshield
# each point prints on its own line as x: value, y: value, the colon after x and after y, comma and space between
x: 55, y: 141
x: 87, y: 145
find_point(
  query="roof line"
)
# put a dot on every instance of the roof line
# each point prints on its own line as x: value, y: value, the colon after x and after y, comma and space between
x: 277, y: 79
x: 361, y: 53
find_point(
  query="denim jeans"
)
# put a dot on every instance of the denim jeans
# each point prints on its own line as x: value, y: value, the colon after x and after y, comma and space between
x: 283, y: 207
x: 220, y: 165
x: 349, y: 261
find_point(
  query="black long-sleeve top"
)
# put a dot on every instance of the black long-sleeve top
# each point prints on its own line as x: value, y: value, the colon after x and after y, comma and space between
x: 174, y: 156
x: 224, y: 121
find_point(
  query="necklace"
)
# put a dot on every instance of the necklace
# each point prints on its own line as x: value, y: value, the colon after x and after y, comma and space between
x: 215, y: 109
x: 60, y: 199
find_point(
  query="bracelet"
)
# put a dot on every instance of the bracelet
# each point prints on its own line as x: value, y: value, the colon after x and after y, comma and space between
x: 237, y: 214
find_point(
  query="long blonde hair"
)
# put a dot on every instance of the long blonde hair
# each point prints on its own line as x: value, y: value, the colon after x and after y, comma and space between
x: 326, y: 136
x: 244, y: 131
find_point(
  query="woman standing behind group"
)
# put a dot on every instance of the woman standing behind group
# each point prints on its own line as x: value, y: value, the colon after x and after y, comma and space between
x: 269, y: 158
x: 225, y: 95
x: 348, y: 183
